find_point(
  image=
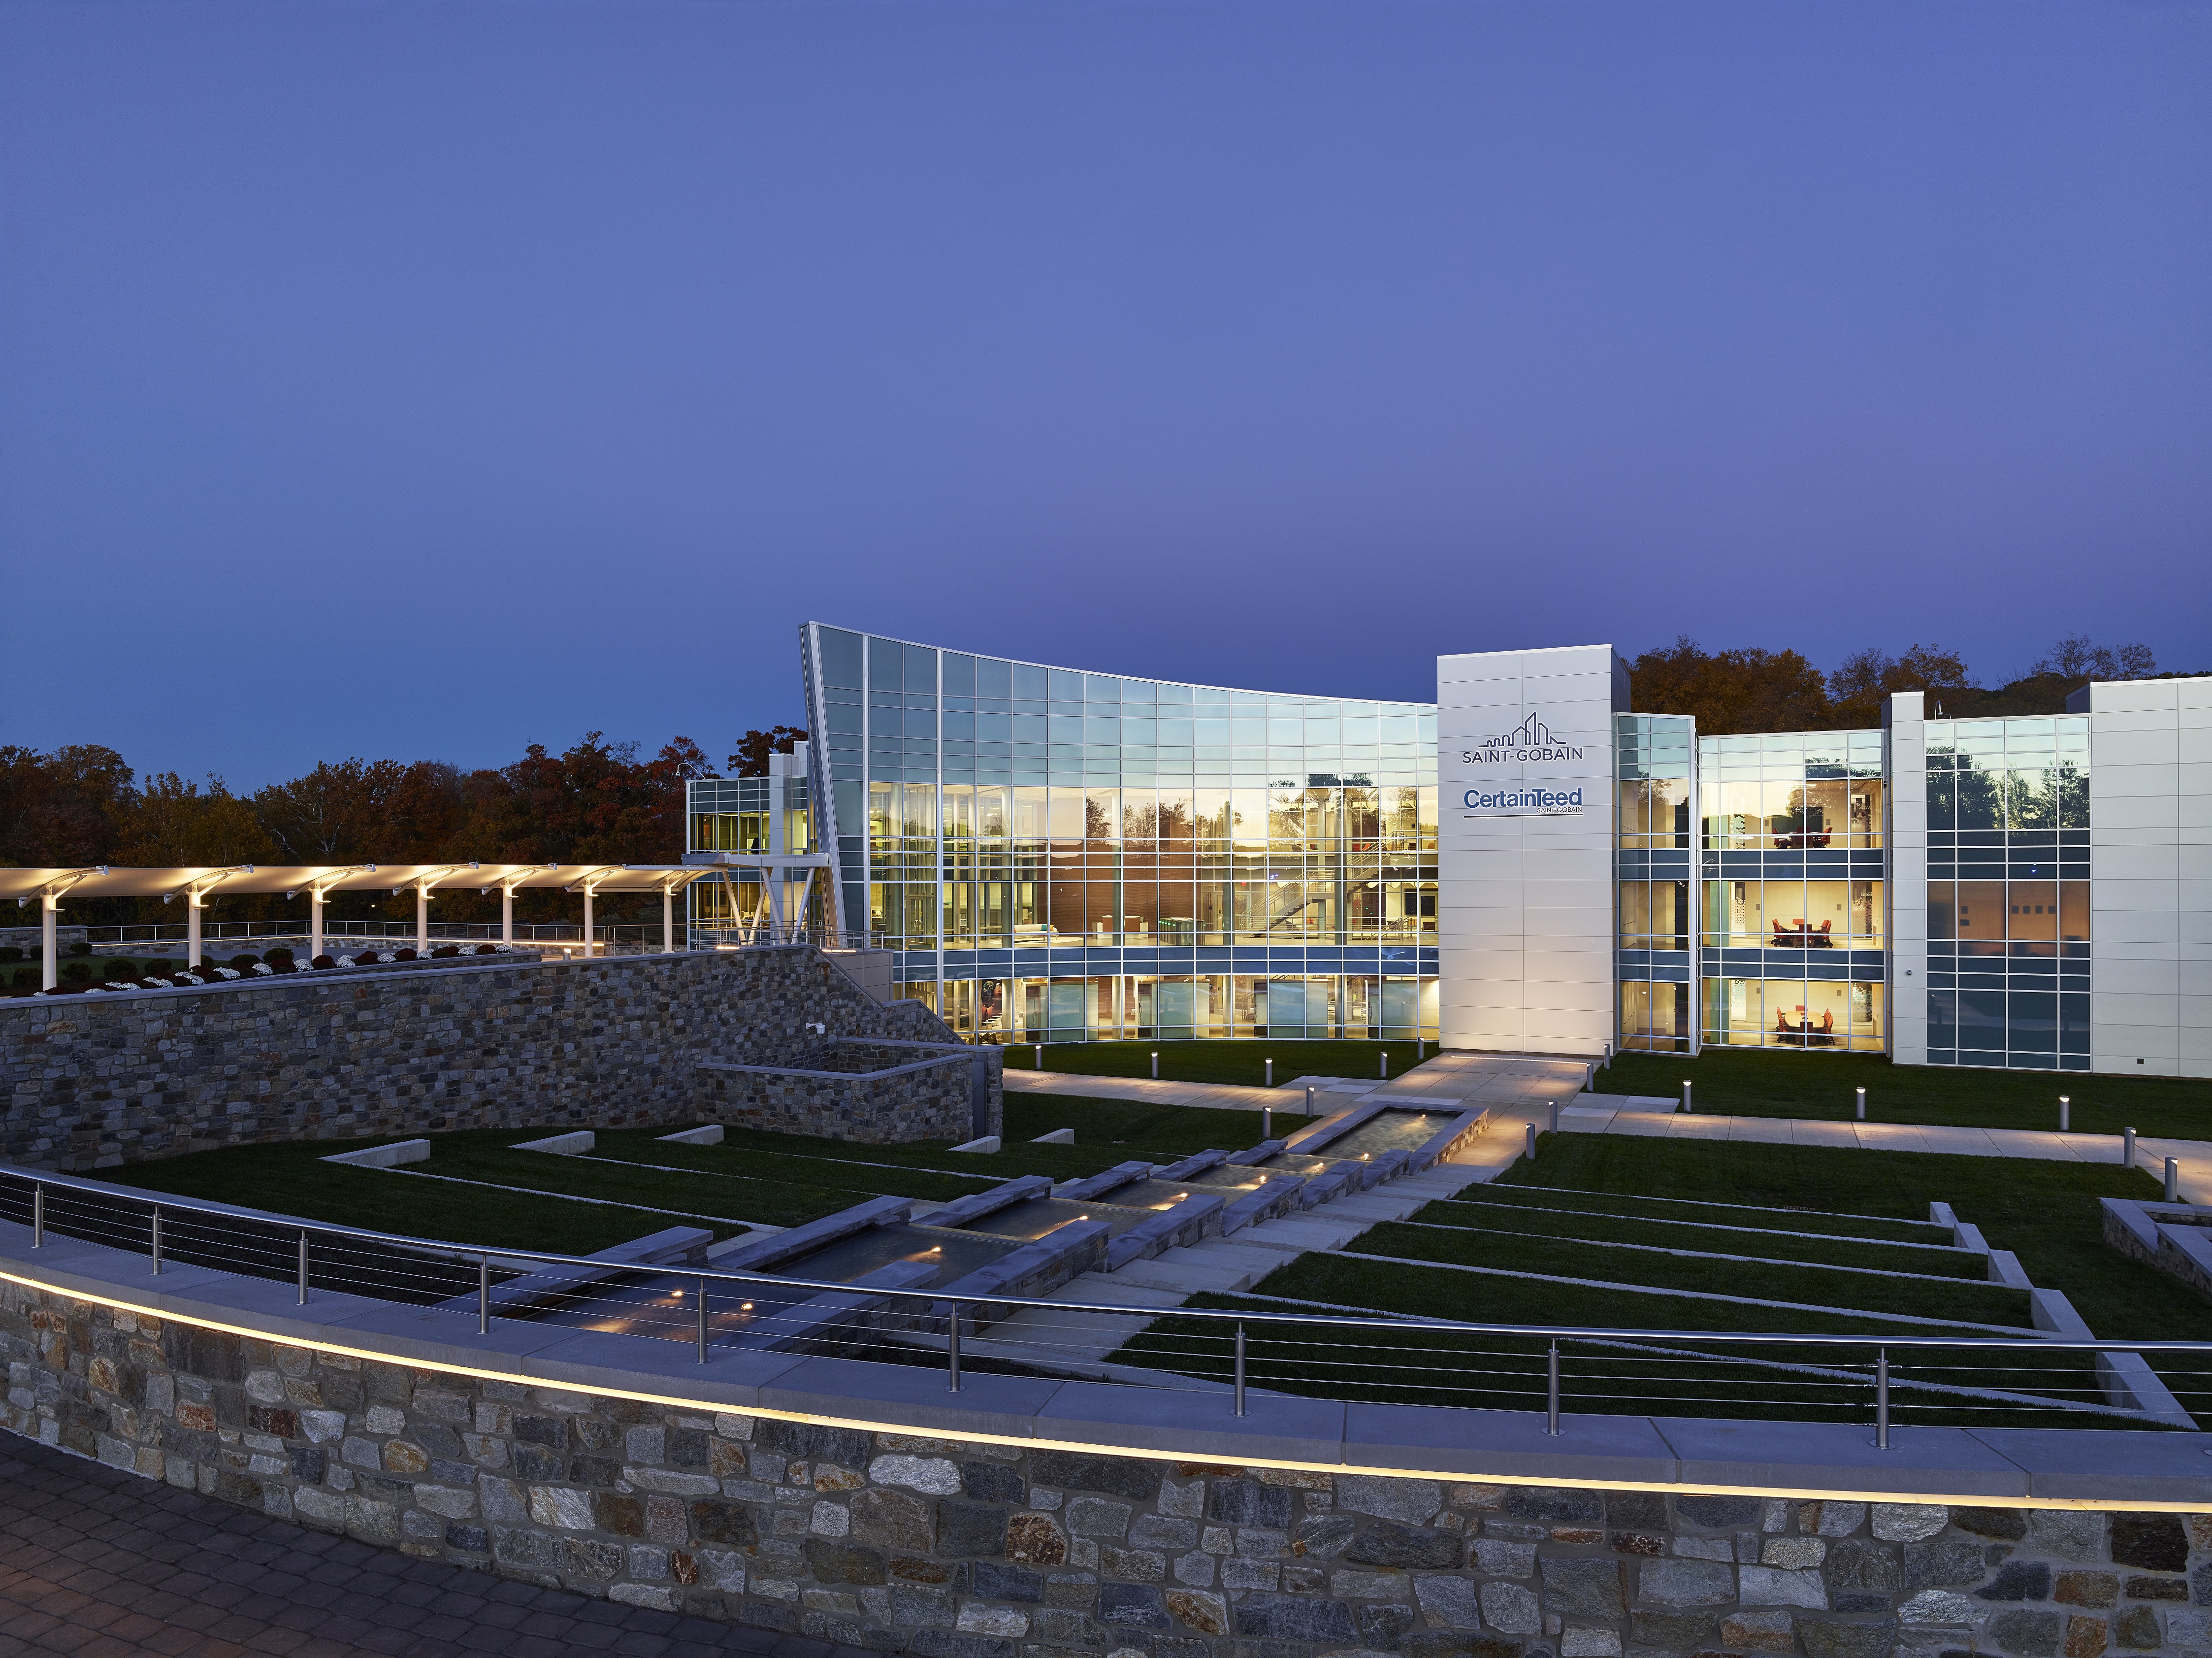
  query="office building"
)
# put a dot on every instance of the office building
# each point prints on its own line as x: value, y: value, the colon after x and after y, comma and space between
x: 1526, y: 865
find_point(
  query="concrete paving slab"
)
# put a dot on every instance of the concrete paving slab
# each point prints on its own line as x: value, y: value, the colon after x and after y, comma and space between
x: 1198, y: 1426
x: 1507, y: 1444
x: 2138, y: 1467
x: 1816, y: 1457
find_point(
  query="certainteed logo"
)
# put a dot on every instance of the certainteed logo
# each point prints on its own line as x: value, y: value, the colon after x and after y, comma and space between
x: 1529, y: 740
x: 1523, y: 802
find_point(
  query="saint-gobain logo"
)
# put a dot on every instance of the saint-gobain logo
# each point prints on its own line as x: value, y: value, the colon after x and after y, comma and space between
x: 1529, y: 740
x: 1523, y: 802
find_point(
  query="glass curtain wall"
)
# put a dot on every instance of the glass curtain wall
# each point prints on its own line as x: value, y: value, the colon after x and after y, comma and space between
x: 1654, y: 864
x: 1792, y: 873
x: 2008, y: 893
x: 1057, y: 854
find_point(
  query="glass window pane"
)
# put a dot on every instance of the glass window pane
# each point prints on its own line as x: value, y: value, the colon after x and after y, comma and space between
x: 841, y: 658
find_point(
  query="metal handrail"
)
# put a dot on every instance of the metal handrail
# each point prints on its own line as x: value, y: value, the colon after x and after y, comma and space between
x: 1408, y: 1322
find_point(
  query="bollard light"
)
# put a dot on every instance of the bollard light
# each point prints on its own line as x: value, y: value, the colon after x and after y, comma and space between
x: 1531, y: 1150
x: 1553, y: 1106
x: 1040, y: 1056
x: 1687, y: 1105
x: 1862, y: 1111
x: 2173, y: 1180
x: 2127, y: 1148
x: 2065, y: 1111
x: 1385, y: 1071
x: 1156, y: 1064
x: 1267, y: 1124
x: 1271, y: 1072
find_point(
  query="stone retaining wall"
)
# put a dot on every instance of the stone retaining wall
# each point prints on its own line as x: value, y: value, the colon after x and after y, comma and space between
x: 90, y: 1081
x: 948, y: 1548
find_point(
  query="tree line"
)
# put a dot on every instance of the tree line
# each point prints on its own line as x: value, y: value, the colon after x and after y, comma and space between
x: 1749, y: 689
x: 596, y: 802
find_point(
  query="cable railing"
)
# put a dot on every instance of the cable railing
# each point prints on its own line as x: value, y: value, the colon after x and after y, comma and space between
x: 1266, y: 1345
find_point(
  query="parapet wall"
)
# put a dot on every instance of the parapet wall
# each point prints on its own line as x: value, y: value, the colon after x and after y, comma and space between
x: 948, y: 1546
x: 93, y: 1081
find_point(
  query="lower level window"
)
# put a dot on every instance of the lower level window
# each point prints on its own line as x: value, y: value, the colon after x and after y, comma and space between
x: 1654, y: 1018
x: 1791, y: 1012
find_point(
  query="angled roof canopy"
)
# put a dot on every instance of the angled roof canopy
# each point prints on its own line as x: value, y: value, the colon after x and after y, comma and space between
x: 118, y: 880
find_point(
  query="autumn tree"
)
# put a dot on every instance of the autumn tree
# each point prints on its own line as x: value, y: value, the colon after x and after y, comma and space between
x: 1730, y: 691
x: 1857, y: 689
x: 755, y: 747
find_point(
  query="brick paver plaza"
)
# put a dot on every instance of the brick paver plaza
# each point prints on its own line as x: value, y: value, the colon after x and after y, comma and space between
x: 100, y: 1564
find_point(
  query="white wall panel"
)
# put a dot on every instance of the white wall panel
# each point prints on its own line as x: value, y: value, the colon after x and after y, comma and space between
x: 1534, y: 970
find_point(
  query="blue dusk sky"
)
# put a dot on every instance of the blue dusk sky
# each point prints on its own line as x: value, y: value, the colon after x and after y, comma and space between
x: 424, y: 380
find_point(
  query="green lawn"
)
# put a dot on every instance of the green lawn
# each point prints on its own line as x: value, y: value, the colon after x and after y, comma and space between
x: 751, y: 1177
x: 1978, y: 1303
x: 1500, y: 1372
x: 1741, y: 1236
x: 1766, y: 1082
x: 2044, y: 1211
x: 1785, y: 1217
x: 1223, y: 1060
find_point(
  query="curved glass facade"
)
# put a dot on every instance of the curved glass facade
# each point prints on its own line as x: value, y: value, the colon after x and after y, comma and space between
x: 1058, y: 854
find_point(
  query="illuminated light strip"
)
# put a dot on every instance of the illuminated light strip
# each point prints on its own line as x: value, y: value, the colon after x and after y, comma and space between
x: 1809, y: 1493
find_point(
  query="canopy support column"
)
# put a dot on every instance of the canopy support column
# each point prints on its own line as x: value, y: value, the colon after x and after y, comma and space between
x: 507, y: 915
x: 668, y: 920
x: 192, y: 930
x: 422, y: 919
x: 50, y: 964
x: 314, y: 923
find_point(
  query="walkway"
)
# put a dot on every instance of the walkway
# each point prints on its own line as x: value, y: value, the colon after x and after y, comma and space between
x: 1520, y: 1090
x: 1598, y: 1113
x: 100, y: 1564
x: 1500, y: 1082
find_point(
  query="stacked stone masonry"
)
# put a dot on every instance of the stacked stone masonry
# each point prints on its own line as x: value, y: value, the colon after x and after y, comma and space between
x: 93, y: 1081
x: 952, y: 1549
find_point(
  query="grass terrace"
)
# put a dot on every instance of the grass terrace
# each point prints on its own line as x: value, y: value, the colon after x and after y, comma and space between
x: 1842, y: 1235
x: 1753, y: 1083
x: 476, y: 1189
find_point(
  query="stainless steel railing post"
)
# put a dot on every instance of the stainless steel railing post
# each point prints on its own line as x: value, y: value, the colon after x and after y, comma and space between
x: 1881, y: 1398
x: 952, y: 1348
x: 702, y: 1320
x: 303, y: 1269
x: 1240, y: 1370
x: 157, y: 1240
x: 1552, y: 1392
x: 483, y: 1295
x: 39, y: 1217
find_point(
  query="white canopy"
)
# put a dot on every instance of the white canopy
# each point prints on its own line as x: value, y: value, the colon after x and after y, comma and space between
x: 196, y: 883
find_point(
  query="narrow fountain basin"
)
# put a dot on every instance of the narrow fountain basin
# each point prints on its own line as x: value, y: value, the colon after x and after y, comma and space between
x: 1395, y: 1130
x: 1034, y: 1218
x: 954, y: 1252
x: 666, y: 1304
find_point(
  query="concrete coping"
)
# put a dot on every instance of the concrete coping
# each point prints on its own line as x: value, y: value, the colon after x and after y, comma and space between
x: 841, y: 1075
x: 977, y: 1204
x: 387, y: 1157
x: 1097, y: 1185
x: 799, y: 1239
x: 1338, y: 1124
x: 710, y: 1134
x: 675, y: 1243
x: 2117, y: 1468
x: 560, y: 1145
